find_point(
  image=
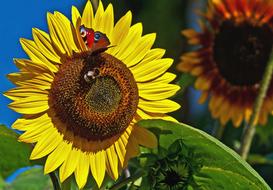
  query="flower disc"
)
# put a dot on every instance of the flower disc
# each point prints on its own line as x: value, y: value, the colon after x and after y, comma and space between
x: 94, y: 108
x: 241, y: 52
x: 230, y: 58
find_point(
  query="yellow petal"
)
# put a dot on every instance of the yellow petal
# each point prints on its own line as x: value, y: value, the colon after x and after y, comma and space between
x: 124, y: 139
x: 20, y: 76
x: 46, y: 145
x: 128, y: 45
x: 82, y: 170
x: 145, y: 72
x: 153, y: 54
x: 215, y: 102
x: 237, y: 116
x: 203, y: 97
x: 142, y: 48
x: 190, y: 33
x: 20, y: 92
x: 202, y: 83
x: 197, y: 70
x: 156, y: 92
x: 57, y: 157
x: 88, y: 15
x: 75, y: 15
x: 145, y: 137
x: 160, y: 106
x: 112, y: 160
x: 120, y: 32
x: 34, y: 53
x: 163, y: 79
x: 97, y: 164
x: 67, y: 28
x: 223, y: 107
x: 57, y: 35
x: 34, y: 134
x: 43, y: 42
x: 192, y: 59
x: 106, y: 24
x: 98, y: 17
x: 70, y: 164
x: 32, y: 67
x: 20, y: 64
x: 120, y: 149
x: 24, y: 124
x: 30, y: 105
x: 226, y: 112
x: 147, y: 115
x: 42, y: 82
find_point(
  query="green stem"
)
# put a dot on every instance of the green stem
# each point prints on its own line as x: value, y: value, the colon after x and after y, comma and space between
x: 218, y: 130
x: 126, y: 181
x: 54, y: 181
x: 250, y: 128
x: 95, y: 4
x: 66, y: 185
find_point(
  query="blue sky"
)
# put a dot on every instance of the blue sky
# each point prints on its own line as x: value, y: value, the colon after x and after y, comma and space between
x: 17, y: 19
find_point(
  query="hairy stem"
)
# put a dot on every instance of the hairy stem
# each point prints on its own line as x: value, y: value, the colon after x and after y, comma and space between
x: 250, y: 128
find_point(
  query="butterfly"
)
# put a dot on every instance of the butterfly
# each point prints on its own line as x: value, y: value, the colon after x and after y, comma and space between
x: 96, y: 41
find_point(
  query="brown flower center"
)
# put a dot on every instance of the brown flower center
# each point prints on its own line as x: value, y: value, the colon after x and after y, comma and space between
x: 241, y: 51
x: 95, y: 97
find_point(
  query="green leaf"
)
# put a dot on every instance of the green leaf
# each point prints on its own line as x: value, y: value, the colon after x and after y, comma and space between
x: 222, y: 167
x: 2, y: 183
x: 33, y: 179
x: 265, y: 133
x: 13, y: 154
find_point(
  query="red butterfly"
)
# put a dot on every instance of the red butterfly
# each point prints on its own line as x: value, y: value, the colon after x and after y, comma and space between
x: 96, y: 41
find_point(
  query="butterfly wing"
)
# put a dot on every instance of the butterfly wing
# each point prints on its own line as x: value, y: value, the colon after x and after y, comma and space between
x: 97, y: 42
x: 101, y: 43
x: 87, y: 35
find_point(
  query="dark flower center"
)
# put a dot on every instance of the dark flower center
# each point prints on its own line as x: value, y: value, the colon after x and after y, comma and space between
x: 172, y: 178
x: 241, y: 52
x: 94, y: 97
x: 104, y: 95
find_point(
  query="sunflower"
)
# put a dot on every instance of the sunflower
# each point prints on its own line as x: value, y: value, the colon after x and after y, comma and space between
x: 80, y: 108
x: 230, y: 56
x: 176, y: 170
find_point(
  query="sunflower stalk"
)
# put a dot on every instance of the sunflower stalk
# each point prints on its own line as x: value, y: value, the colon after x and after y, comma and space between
x: 54, y: 181
x: 127, y: 180
x: 250, y: 127
x: 66, y: 185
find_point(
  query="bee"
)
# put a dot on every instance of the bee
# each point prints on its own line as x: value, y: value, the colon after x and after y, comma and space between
x: 97, y: 42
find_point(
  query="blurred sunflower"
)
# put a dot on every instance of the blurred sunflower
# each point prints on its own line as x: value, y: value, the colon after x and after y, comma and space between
x: 80, y: 108
x: 232, y: 52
